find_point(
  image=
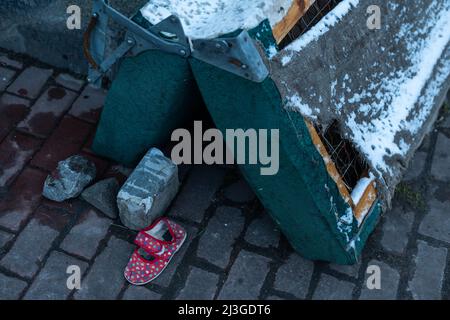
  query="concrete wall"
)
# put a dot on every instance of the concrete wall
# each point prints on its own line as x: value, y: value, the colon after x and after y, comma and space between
x: 38, y: 28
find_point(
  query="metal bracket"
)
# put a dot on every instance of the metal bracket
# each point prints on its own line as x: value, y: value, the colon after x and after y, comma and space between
x: 168, y: 35
x: 238, y: 55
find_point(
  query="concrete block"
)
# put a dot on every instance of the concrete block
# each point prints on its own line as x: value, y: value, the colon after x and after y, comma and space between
x: 148, y: 191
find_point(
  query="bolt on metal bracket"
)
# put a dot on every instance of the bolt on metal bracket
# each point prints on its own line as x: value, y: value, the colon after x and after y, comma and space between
x: 238, y: 55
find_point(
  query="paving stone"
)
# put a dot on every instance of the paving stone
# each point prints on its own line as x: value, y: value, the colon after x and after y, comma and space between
x: 389, y: 283
x: 64, y: 142
x: 263, y: 232
x: 217, y: 241
x: 246, y: 277
x: 5, y: 237
x: 440, y: 168
x: 140, y: 293
x: 330, y: 288
x: 34, y: 241
x: 47, y: 111
x: 396, y: 230
x: 15, y: 151
x: 294, y: 276
x: 69, y: 82
x: 416, y: 166
x: 51, y: 282
x: 239, y: 191
x: 30, y: 82
x: 5, y: 61
x: 84, y: 238
x: 273, y: 298
x: 21, y: 199
x: 69, y: 179
x: 103, y: 196
x: 200, y: 285
x: 11, y: 288
x: 148, y: 191
x: 6, y: 76
x: 350, y: 270
x: 436, y: 223
x: 89, y: 104
x: 166, y: 277
x: 198, y: 192
x: 105, y: 278
x: 429, y: 272
x: 13, y: 109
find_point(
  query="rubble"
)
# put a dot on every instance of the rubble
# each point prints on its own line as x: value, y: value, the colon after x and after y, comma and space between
x: 103, y: 196
x: 148, y: 191
x: 69, y: 179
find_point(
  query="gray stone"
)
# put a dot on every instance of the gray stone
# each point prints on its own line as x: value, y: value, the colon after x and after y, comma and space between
x: 389, y: 283
x: 148, y: 191
x: 330, y: 288
x: 103, y: 196
x: 416, y: 166
x: 246, y: 277
x: 428, y: 278
x: 5, y: 237
x: 200, y: 285
x: 436, y: 223
x: 84, y: 238
x: 11, y: 288
x: 294, y: 276
x: 140, y: 293
x: 169, y: 273
x: 6, y: 75
x: 263, y: 232
x: 27, y: 253
x: 440, y: 168
x: 217, y: 241
x: 105, y: 279
x: 198, y: 193
x: 69, y: 179
x: 51, y: 282
x: 396, y: 230
x: 239, y: 191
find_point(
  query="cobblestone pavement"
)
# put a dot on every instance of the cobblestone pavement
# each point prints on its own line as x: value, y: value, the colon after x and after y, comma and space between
x: 233, y: 249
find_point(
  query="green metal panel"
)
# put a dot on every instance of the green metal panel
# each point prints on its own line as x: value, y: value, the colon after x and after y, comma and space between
x: 152, y: 95
x: 302, y: 198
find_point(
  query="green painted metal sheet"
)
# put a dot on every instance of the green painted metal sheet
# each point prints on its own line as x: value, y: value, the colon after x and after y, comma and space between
x: 302, y: 198
x: 152, y: 95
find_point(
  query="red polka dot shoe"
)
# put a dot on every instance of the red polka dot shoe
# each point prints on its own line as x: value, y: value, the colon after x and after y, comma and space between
x: 157, y: 245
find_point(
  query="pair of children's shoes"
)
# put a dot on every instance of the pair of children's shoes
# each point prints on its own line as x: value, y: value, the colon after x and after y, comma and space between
x: 157, y: 244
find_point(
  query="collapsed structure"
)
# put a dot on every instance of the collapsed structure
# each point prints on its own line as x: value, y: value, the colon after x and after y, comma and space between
x: 352, y: 103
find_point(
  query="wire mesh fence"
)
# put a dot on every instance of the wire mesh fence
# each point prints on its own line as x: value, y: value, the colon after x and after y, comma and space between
x: 316, y: 12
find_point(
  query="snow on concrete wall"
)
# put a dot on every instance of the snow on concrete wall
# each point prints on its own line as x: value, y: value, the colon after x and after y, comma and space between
x: 383, y: 86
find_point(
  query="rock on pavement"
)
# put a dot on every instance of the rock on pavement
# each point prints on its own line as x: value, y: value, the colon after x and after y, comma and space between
x: 148, y: 191
x: 103, y: 196
x: 69, y: 179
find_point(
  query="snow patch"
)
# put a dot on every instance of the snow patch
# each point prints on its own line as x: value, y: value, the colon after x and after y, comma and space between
x: 212, y: 18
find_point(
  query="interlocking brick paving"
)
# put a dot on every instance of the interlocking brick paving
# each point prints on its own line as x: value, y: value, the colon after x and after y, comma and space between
x: 233, y: 251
